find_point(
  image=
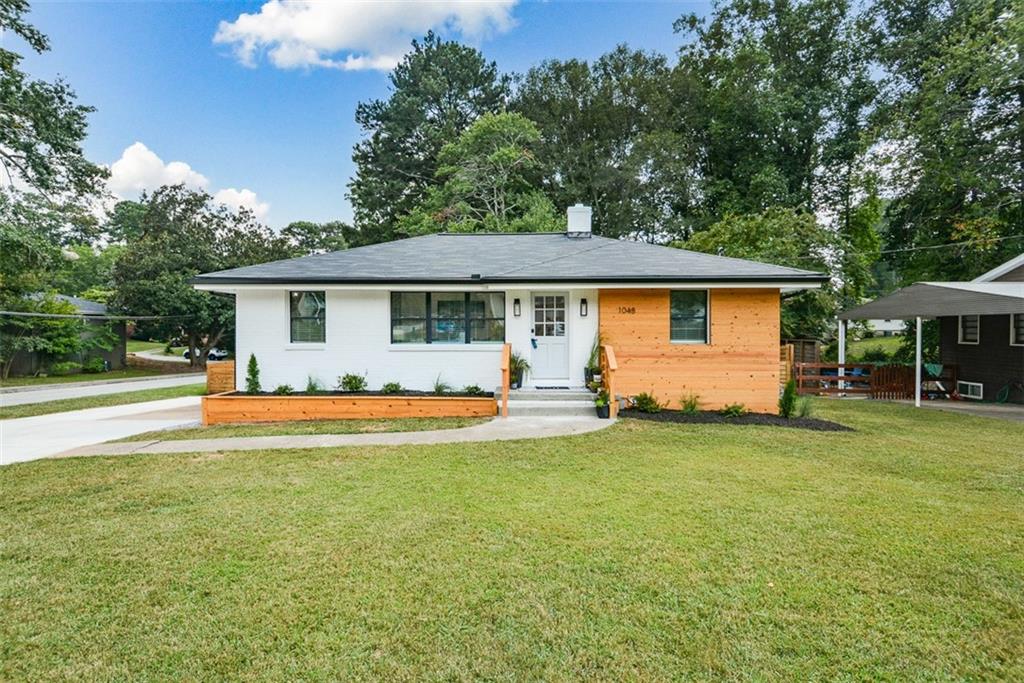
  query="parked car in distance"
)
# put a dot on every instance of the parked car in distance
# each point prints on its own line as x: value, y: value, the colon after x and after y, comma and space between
x: 215, y: 354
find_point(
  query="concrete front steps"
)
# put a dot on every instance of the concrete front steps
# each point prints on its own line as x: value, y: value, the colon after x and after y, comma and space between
x: 549, y: 403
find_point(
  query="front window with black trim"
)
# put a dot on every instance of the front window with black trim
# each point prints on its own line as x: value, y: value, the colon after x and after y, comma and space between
x: 688, y: 315
x: 308, y: 312
x: 447, y: 317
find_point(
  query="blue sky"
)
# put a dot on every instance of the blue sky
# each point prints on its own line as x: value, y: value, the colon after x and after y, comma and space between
x: 283, y: 133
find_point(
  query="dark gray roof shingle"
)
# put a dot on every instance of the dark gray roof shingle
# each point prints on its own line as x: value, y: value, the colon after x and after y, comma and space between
x: 508, y: 258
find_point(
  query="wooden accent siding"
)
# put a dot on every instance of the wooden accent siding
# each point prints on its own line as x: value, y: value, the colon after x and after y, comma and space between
x: 739, y: 365
x: 220, y: 376
x: 224, y: 408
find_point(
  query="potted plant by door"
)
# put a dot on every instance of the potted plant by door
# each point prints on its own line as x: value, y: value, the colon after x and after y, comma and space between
x: 518, y: 366
x: 601, y: 403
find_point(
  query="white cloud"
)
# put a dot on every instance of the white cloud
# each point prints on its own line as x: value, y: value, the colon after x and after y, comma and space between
x: 139, y: 170
x: 352, y: 34
x: 243, y: 198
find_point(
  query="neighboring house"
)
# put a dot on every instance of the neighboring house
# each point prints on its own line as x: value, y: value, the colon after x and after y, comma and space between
x: 981, y: 327
x: 886, y: 328
x: 95, y: 314
x: 442, y: 305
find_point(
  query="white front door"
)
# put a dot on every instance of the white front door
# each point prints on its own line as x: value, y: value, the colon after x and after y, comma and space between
x: 550, y: 337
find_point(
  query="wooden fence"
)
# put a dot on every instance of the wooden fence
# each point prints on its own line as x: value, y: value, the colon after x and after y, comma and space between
x: 220, y: 376
x: 892, y: 382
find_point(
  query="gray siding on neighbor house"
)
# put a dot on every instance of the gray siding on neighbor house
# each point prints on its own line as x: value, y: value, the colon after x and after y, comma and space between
x: 992, y: 362
x: 1015, y: 275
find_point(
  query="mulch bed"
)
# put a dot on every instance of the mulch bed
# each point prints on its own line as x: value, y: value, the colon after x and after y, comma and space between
x: 711, y: 417
x: 397, y: 394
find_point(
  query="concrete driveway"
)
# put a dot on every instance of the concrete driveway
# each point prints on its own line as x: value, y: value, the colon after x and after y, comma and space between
x: 17, y: 396
x: 31, y: 438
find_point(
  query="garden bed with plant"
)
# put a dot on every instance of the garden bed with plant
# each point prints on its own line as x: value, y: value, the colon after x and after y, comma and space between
x: 794, y: 411
x: 351, y: 399
x: 716, y: 417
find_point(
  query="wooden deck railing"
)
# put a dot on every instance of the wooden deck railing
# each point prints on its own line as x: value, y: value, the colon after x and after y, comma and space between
x: 891, y: 382
x: 506, y: 377
x: 608, y: 368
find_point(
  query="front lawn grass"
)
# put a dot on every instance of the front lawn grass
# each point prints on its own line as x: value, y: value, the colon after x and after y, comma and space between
x: 300, y: 427
x: 642, y: 552
x: 126, y: 373
x: 120, y: 398
x: 136, y: 345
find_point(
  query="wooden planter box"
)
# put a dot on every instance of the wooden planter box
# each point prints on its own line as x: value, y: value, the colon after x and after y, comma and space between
x: 232, y: 407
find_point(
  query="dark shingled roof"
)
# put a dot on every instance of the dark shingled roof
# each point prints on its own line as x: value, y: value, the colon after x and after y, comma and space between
x: 508, y: 258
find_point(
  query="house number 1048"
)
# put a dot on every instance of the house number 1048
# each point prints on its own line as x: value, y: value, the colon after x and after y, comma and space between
x: 629, y: 310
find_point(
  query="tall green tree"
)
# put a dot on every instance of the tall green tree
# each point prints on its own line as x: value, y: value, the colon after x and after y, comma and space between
x: 437, y: 91
x: 786, y: 237
x: 953, y: 131
x: 617, y: 135
x: 783, y: 91
x: 181, y: 234
x: 491, y: 181
x: 307, y: 237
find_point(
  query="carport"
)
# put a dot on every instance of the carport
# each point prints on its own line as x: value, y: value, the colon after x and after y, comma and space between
x: 925, y: 300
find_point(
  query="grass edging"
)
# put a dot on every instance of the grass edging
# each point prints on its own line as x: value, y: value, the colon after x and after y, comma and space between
x: 306, y: 428
x: 100, y: 401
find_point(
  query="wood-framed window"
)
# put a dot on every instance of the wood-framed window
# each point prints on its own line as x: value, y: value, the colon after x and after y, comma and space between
x: 968, y: 329
x: 447, y: 317
x: 1017, y: 329
x: 308, y: 317
x: 688, y: 316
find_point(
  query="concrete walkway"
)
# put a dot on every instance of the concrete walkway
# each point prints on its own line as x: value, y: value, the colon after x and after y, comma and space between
x: 1001, y: 411
x: 57, y: 392
x: 499, y: 429
x: 159, y: 356
x: 31, y: 438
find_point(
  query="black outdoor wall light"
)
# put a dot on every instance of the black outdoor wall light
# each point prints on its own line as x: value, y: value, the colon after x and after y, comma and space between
x: 583, y: 308
x: 516, y: 308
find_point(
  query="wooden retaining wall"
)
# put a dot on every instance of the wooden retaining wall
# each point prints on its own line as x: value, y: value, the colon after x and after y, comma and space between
x: 220, y: 376
x: 224, y: 408
x: 740, y: 364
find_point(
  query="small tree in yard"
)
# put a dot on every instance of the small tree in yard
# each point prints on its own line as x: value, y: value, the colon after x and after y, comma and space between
x: 180, y: 234
x: 252, y: 376
x: 787, y: 402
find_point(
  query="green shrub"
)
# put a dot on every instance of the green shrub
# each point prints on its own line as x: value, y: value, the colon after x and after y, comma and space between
x: 805, y: 407
x: 473, y: 390
x: 646, y: 403
x: 392, y: 388
x: 690, y: 404
x: 252, y: 376
x: 352, y: 382
x: 875, y: 354
x: 787, y: 402
x: 441, y: 387
x: 601, y: 400
x: 94, y: 364
x: 313, y: 385
x: 66, y: 367
x: 734, y: 410
x: 284, y: 390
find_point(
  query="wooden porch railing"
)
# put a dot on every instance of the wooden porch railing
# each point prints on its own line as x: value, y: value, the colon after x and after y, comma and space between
x: 608, y: 367
x: 506, y: 377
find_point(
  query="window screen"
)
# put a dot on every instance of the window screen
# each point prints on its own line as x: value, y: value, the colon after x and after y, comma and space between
x: 969, y: 332
x: 689, y: 316
x: 308, y: 317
